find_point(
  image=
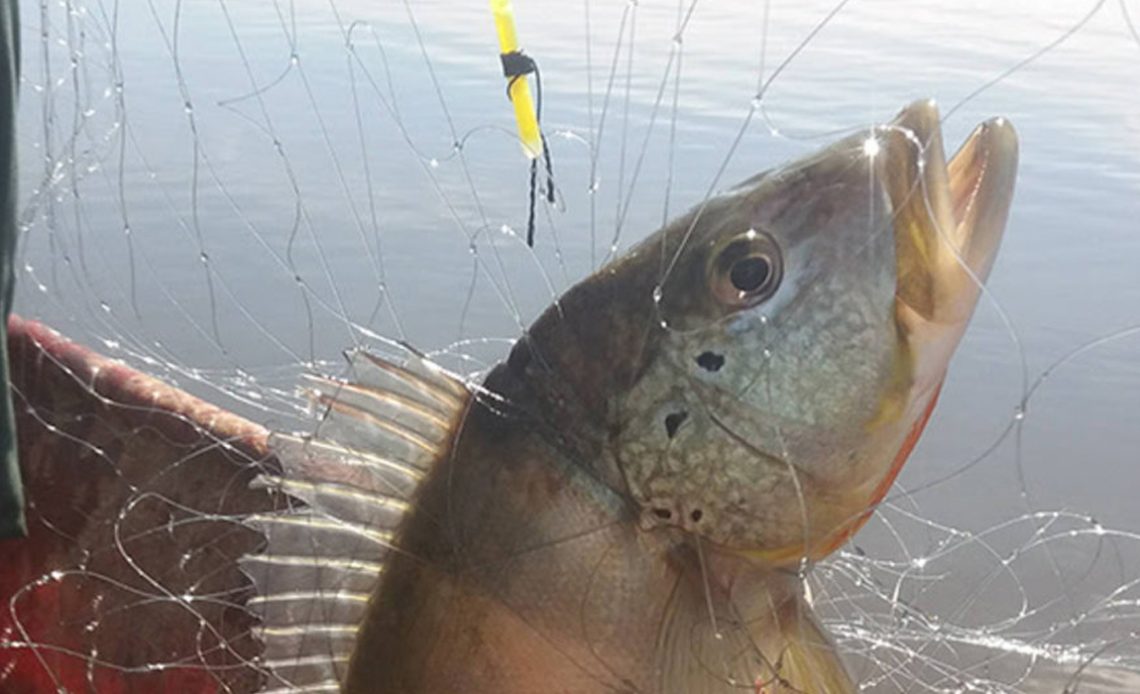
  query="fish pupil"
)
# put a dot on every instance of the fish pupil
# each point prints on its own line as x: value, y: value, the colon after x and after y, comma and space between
x: 750, y: 274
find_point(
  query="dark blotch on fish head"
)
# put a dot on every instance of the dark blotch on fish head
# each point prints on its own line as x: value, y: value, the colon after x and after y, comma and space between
x: 673, y: 422
x: 710, y: 361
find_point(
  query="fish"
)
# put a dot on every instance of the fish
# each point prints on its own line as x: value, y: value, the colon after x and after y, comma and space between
x: 630, y: 501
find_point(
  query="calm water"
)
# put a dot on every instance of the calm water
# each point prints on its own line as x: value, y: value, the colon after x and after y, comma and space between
x: 216, y: 191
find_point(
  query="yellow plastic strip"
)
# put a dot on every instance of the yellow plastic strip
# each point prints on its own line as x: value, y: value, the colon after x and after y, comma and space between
x: 529, y: 135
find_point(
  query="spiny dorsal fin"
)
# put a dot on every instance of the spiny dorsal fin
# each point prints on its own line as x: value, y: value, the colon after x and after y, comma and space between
x: 380, y: 433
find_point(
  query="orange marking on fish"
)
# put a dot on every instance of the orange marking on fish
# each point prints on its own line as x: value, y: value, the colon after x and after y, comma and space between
x: 884, y: 486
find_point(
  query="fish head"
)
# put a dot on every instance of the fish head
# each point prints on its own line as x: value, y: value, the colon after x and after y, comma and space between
x: 806, y: 319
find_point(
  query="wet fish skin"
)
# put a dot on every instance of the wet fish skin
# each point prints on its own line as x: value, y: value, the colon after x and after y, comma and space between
x: 614, y: 488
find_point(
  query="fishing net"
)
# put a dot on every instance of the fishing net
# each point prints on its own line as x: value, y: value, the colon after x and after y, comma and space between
x: 228, y: 195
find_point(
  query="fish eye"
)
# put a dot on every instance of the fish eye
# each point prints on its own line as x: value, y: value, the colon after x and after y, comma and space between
x: 746, y: 270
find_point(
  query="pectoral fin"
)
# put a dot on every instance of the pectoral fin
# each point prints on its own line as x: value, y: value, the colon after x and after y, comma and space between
x: 762, y: 634
x: 808, y: 662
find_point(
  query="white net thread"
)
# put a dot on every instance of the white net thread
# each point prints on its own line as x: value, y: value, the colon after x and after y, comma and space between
x: 227, y: 196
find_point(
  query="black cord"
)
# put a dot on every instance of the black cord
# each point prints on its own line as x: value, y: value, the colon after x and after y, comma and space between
x: 517, y: 65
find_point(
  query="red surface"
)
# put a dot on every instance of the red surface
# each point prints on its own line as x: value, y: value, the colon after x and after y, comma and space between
x: 129, y: 481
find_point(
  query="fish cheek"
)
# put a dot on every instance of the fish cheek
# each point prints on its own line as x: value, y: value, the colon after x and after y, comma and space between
x: 684, y: 470
x: 651, y: 451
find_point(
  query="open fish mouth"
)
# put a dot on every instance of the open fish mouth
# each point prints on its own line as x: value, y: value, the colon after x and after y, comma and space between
x: 949, y: 216
x: 948, y: 219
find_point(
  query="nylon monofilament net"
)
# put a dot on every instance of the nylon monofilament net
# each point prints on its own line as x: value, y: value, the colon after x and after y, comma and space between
x: 227, y: 195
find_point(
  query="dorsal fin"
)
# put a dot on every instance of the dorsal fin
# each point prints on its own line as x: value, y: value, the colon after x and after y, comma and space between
x: 380, y: 434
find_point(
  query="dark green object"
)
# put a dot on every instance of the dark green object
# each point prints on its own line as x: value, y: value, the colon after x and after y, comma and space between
x: 11, y: 493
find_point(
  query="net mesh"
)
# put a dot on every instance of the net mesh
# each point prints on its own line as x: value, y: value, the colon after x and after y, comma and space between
x: 227, y: 195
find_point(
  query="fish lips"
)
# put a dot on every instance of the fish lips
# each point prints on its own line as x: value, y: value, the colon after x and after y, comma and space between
x: 949, y: 216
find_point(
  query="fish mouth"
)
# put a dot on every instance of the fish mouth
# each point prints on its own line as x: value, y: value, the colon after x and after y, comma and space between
x: 948, y: 215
